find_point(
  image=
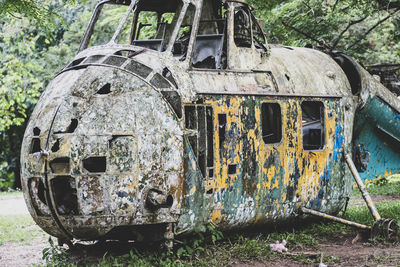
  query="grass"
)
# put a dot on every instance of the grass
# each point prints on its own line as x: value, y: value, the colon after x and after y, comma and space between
x: 201, y: 250
x: 389, y: 186
x: 19, y: 228
x: 10, y: 193
x: 246, y: 248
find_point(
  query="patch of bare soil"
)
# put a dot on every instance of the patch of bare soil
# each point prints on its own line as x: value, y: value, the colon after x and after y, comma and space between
x: 11, y: 205
x: 16, y: 254
x: 338, y: 251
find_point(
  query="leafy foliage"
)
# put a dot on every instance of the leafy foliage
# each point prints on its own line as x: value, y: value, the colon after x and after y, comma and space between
x: 366, y: 30
x: 32, y: 48
x: 38, y: 38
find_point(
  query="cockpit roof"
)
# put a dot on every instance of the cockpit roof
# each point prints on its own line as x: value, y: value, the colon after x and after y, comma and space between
x: 159, y: 5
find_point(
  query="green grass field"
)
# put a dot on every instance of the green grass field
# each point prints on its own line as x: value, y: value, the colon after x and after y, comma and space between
x: 19, y: 228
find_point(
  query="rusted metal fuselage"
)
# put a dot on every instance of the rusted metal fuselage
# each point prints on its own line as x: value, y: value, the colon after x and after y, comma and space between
x: 201, y: 122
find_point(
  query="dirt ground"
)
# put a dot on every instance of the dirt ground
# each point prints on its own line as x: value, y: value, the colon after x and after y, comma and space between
x: 345, y: 250
x: 12, y: 204
x: 13, y: 253
x: 16, y: 255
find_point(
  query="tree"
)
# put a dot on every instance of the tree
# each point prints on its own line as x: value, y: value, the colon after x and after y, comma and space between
x: 366, y: 30
x: 30, y: 52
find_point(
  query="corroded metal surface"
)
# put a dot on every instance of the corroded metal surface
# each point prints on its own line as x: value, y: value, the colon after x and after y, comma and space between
x: 136, y: 140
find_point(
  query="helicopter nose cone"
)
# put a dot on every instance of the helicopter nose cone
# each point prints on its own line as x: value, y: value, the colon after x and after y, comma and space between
x: 112, y: 138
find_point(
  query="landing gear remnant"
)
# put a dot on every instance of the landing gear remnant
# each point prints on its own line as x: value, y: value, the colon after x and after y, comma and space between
x: 387, y: 228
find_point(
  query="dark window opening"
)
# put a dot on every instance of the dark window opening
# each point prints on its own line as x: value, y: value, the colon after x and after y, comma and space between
x: 210, y: 137
x: 139, y: 69
x: 95, y: 164
x: 105, y: 90
x: 94, y: 59
x: 193, y: 143
x: 65, y: 196
x: 190, y: 118
x: 200, y: 118
x: 209, y: 49
x: 56, y: 146
x: 313, y: 125
x: 232, y: 169
x: 258, y: 35
x: 60, y: 165
x: 202, y: 139
x: 76, y: 62
x: 158, y: 81
x: 181, y: 43
x: 242, y: 28
x: 36, y: 131
x: 35, y: 146
x: 174, y: 100
x: 271, y: 119
x: 71, y: 127
x: 210, y: 172
x: 210, y: 46
x: 167, y: 74
x: 115, y: 61
x: 221, y: 129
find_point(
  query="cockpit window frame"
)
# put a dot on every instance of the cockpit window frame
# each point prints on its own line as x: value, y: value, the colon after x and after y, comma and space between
x: 169, y: 45
x: 89, y: 32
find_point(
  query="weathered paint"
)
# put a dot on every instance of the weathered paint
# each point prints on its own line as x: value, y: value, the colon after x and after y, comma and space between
x: 272, y: 181
x: 107, y: 152
x: 377, y: 127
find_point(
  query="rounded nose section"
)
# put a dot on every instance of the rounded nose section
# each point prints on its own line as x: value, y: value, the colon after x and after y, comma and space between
x: 115, y: 158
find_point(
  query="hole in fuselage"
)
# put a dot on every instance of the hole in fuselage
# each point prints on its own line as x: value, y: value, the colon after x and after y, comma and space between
x: 35, y: 146
x: 64, y: 194
x: 56, y: 146
x: 170, y: 201
x: 105, y: 90
x: 221, y: 129
x: 71, y: 127
x: 60, y: 165
x: 36, y: 131
x: 232, y: 169
x: 95, y: 164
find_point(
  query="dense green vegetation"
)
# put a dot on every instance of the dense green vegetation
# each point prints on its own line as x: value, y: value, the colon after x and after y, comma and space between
x: 37, y: 38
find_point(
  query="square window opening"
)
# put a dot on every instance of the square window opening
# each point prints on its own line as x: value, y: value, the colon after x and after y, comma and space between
x: 271, y: 117
x: 313, y: 125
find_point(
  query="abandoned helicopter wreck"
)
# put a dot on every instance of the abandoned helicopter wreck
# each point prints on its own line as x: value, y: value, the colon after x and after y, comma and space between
x: 182, y: 114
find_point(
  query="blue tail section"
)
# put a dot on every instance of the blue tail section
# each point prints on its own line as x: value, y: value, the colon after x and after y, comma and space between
x: 377, y: 129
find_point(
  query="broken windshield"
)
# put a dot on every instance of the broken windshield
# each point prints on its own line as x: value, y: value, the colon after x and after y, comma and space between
x: 104, y: 23
x: 146, y: 23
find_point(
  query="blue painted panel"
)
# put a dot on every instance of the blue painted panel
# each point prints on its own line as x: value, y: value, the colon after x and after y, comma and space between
x: 377, y: 126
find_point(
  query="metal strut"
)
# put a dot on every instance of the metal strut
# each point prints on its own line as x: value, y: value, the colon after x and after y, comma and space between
x: 362, y: 188
x: 387, y: 228
x: 336, y: 219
